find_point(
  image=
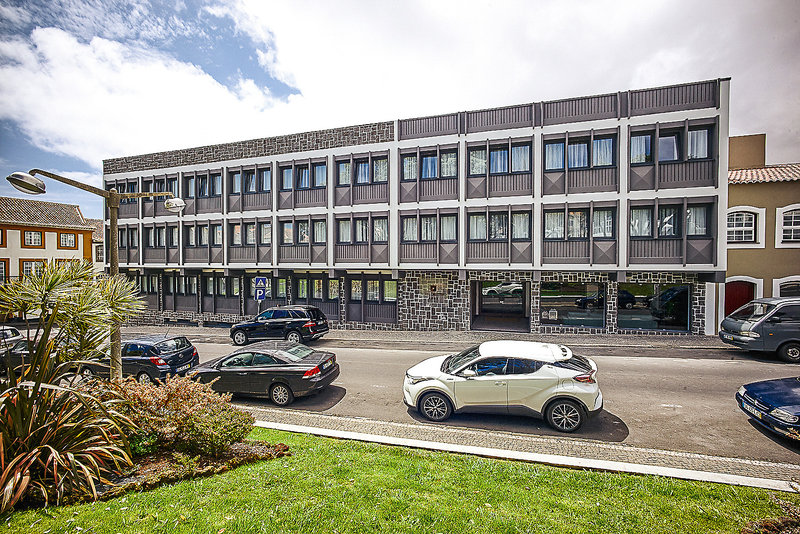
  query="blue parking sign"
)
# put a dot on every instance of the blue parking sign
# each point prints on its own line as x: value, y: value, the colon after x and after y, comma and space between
x: 261, y: 288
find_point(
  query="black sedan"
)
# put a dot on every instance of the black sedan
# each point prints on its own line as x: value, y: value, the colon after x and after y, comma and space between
x: 281, y: 370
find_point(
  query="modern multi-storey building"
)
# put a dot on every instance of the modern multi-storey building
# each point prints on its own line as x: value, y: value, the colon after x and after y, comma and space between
x: 592, y: 214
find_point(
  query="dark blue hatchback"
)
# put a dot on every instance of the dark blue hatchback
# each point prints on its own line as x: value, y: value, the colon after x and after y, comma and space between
x: 774, y: 404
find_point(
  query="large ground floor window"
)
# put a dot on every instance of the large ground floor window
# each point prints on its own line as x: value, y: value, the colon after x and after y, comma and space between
x: 573, y: 304
x: 654, y: 307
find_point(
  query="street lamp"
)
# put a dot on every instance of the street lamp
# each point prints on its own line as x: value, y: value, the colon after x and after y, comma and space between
x: 28, y: 183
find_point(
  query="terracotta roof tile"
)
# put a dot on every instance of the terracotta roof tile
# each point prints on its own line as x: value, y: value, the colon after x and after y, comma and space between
x: 97, y: 234
x: 785, y: 172
x: 24, y: 212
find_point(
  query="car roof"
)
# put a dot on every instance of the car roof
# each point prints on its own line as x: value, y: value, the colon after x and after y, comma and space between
x: 292, y: 307
x: 276, y: 344
x: 778, y: 300
x: 152, y: 338
x: 532, y: 350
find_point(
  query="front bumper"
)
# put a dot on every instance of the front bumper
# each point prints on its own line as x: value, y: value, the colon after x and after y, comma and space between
x: 755, y: 413
x: 743, y: 342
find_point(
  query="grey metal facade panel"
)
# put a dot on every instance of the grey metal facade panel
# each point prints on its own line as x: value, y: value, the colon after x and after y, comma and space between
x: 242, y: 254
x: 505, y: 185
x: 553, y: 183
x: 379, y: 313
x: 310, y: 197
x: 700, y: 250
x: 686, y: 174
x: 428, y: 126
x: 674, y: 98
x: 294, y: 254
x: 128, y: 211
x: 209, y: 205
x: 438, y: 189
x: 378, y: 132
x: 185, y: 303
x: 604, y: 252
x: 521, y: 252
x: 476, y: 186
x: 257, y: 201
x: 565, y: 251
x: 379, y: 253
x: 370, y: 194
x: 655, y: 251
x: 155, y: 255
x: 417, y: 253
x: 351, y: 253
x: 580, y: 109
x: 642, y: 177
x: 499, y: 118
x: 487, y: 252
x: 592, y: 180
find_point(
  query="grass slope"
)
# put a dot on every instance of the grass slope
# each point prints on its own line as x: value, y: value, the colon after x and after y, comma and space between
x: 342, y: 486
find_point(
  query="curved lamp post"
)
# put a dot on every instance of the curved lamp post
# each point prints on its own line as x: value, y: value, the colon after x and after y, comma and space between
x: 28, y: 183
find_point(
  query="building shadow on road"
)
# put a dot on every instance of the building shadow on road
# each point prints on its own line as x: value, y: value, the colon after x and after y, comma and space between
x: 604, y: 427
x: 319, y: 402
x: 786, y: 443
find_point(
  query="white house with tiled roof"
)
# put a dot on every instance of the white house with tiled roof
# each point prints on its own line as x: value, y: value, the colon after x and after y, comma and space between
x: 33, y: 232
x: 763, y: 225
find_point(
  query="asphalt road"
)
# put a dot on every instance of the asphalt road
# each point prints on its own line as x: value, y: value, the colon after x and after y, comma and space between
x: 666, y: 399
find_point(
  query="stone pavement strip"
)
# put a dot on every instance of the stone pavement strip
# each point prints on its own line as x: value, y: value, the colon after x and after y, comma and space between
x: 557, y: 451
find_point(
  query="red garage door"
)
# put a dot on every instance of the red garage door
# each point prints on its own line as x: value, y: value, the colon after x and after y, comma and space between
x: 738, y: 294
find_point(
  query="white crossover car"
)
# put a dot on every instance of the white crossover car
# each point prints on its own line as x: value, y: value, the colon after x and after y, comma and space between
x: 516, y: 377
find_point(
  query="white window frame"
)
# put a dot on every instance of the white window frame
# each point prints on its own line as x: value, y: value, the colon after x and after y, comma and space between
x: 761, y: 226
x: 779, y: 227
x: 776, y: 282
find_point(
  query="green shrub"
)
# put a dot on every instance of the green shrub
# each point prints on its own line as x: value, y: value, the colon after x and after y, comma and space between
x: 182, y: 414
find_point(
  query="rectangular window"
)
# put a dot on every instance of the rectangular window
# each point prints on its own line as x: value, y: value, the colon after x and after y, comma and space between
x: 448, y: 232
x: 668, y: 147
x: 362, y: 230
x: 302, y: 288
x: 498, y: 226
x: 149, y: 237
x: 603, y: 152
x: 640, y: 148
x: 578, y: 155
x: 250, y: 185
x: 303, y: 178
x: 33, y: 239
x: 344, y: 234
x: 355, y: 290
x: 67, y: 240
x: 216, y: 185
x: 209, y: 285
x: 343, y: 173
x: 32, y: 267
x: 236, y: 182
x: 98, y: 255
x: 698, y: 144
x: 428, y: 227
x: 380, y: 230
x: 521, y: 225
x: 303, y: 236
x: 741, y: 227
x: 320, y: 232
x: 448, y: 161
x: 554, y: 225
x: 191, y: 285
x: 428, y: 167
x: 265, y: 180
x: 498, y: 161
x: 333, y: 289
x: 265, y: 233
x: 791, y: 226
x: 235, y: 287
x: 216, y: 235
x: 190, y: 236
x: 236, y: 234
x: 653, y: 306
x: 380, y: 170
x: 161, y: 233
x: 221, y: 289
x: 409, y: 225
x: 362, y: 172
x: 121, y: 238
x: 280, y: 289
x: 133, y: 237
x: 521, y: 158
x: 317, y: 288
x: 203, y: 187
x: 390, y: 290
x: 477, y: 161
x: 287, y: 233
x: 577, y: 227
x: 320, y: 175
x: 409, y: 168
x: 250, y: 233
x: 697, y: 220
x: 286, y: 179
x: 554, y: 156
x: 573, y: 304
x: 641, y: 222
x: 603, y: 223
x: 189, y: 189
x: 173, y: 236
x: 203, y: 236
x: 668, y: 223
x: 477, y: 227
x: 373, y: 290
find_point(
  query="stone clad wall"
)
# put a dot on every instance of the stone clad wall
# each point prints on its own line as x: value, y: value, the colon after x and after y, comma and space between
x: 433, y: 300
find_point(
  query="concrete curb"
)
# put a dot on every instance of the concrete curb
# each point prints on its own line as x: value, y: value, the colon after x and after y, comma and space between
x: 548, y: 459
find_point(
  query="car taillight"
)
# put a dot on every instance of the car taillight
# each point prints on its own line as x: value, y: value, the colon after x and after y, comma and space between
x: 588, y: 378
x: 157, y: 360
x: 309, y: 324
x: 312, y: 373
x: 194, y: 352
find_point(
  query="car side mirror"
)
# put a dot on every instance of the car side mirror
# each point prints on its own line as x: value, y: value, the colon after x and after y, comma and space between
x: 774, y: 319
x: 469, y: 373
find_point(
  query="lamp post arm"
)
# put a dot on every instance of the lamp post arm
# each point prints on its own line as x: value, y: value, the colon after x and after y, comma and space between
x: 147, y: 194
x: 74, y: 183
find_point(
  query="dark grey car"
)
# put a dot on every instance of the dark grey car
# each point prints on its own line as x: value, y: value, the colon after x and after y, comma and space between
x: 770, y: 325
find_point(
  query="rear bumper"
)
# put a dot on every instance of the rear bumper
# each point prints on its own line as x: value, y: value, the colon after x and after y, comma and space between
x: 316, y: 384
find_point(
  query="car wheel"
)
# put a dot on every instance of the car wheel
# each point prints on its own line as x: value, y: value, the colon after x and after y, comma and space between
x: 589, y: 305
x: 565, y: 415
x: 628, y: 305
x: 144, y: 378
x: 239, y: 337
x: 790, y: 352
x: 294, y: 336
x: 87, y: 373
x: 435, y: 406
x: 281, y: 395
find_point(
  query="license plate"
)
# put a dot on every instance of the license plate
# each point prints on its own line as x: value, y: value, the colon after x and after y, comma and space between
x: 320, y: 322
x: 727, y: 336
x: 327, y: 364
x: 183, y: 368
x: 751, y: 410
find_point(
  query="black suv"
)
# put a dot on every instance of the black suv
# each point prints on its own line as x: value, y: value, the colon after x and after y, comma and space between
x: 294, y: 323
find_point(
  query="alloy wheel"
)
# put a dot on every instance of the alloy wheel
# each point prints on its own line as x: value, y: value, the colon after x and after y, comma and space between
x: 565, y: 416
x: 281, y: 395
x: 434, y: 407
x: 294, y: 337
x: 144, y: 378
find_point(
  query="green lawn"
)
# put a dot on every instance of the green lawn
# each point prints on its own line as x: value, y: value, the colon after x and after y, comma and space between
x: 344, y: 486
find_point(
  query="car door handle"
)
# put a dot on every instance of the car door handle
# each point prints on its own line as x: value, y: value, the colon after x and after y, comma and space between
x: 242, y: 374
x: 499, y: 383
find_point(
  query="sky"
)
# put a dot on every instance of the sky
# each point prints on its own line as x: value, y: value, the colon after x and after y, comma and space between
x: 87, y: 80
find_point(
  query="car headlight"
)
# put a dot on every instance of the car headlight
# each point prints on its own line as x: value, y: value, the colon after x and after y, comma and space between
x: 783, y: 415
x: 748, y: 333
x: 416, y: 379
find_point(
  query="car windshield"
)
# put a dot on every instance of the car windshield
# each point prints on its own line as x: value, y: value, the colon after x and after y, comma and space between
x: 294, y: 354
x: 172, y: 345
x: 752, y: 312
x: 459, y: 360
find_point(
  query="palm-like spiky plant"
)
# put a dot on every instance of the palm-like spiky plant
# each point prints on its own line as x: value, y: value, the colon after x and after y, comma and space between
x: 54, y: 438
